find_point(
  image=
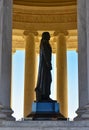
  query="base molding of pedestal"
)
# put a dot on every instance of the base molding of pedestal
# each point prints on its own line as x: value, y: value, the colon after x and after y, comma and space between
x: 45, y: 111
x: 6, y: 114
x: 46, y: 116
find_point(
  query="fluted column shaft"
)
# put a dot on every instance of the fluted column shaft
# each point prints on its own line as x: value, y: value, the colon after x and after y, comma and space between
x: 62, y: 74
x: 29, y: 73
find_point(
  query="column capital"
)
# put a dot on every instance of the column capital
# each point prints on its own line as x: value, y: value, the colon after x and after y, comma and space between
x: 64, y: 32
x: 28, y: 32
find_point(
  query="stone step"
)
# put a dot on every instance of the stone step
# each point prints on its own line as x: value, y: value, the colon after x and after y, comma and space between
x: 44, y: 125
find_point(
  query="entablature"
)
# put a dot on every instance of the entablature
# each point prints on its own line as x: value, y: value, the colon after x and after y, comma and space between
x: 44, y: 18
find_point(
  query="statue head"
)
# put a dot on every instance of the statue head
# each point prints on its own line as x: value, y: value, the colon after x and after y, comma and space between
x: 46, y: 35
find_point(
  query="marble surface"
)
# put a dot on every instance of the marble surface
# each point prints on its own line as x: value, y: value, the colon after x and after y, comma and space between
x: 44, y: 125
x: 83, y: 59
x: 5, y: 58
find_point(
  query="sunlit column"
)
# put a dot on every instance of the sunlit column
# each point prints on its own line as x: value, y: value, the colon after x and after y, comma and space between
x: 36, y: 71
x: 5, y: 58
x: 29, y: 73
x: 61, y: 61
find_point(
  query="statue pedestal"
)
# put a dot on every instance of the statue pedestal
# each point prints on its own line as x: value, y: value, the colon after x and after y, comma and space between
x: 46, y: 111
x: 45, y: 107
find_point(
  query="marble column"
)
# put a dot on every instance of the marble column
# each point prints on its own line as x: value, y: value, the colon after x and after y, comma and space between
x: 83, y: 59
x: 29, y: 73
x: 5, y: 58
x: 61, y: 61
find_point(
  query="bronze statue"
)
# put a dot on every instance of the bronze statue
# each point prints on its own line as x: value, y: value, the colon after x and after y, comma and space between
x: 44, y: 72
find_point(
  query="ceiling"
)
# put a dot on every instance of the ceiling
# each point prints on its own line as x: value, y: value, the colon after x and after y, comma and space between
x: 45, y: 2
x: 41, y: 15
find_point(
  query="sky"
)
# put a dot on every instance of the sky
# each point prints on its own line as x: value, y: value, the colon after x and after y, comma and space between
x: 18, y: 65
x: 72, y: 70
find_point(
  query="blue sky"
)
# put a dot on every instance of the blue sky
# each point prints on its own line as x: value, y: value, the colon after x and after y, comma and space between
x: 18, y: 63
x: 72, y: 70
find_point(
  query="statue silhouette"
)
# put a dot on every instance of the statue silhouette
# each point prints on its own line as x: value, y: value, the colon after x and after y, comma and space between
x: 44, y: 73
